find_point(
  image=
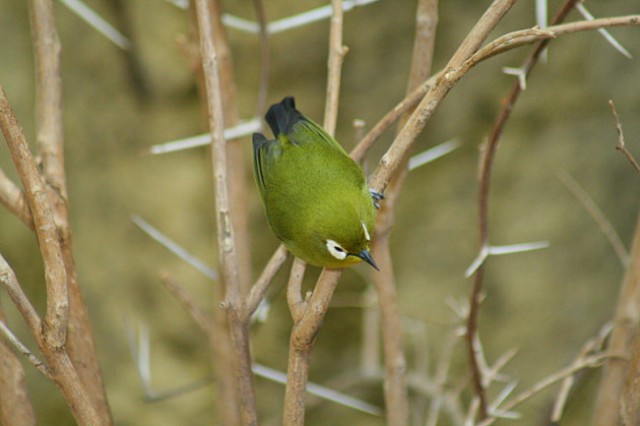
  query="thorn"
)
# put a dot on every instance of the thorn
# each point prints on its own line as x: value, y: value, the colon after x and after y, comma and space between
x: 519, y: 72
x: 606, y: 34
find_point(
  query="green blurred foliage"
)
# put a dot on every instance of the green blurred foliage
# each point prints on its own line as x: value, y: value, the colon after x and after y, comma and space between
x: 545, y: 303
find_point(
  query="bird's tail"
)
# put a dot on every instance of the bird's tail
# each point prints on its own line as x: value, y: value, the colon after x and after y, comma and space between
x: 282, y: 116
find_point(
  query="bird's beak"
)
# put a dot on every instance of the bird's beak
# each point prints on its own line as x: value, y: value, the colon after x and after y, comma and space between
x: 366, y: 256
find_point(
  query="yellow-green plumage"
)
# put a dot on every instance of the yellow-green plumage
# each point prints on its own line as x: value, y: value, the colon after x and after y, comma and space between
x: 315, y: 196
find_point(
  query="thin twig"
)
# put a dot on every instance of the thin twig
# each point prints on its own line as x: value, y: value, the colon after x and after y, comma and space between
x: 301, y: 343
x: 592, y: 361
x: 261, y: 14
x: 621, y: 146
x: 597, y: 215
x: 591, y: 346
x: 204, y: 320
x: 334, y: 65
x: 259, y: 289
x: 14, y: 200
x: 34, y: 360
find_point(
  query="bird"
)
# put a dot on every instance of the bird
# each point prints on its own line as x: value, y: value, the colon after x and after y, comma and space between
x: 315, y: 196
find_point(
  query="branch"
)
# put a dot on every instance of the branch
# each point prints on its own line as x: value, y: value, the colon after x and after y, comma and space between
x: 14, y: 200
x: 483, y: 215
x: 225, y: 234
x: 259, y: 289
x: 395, y: 387
x: 392, y: 159
x: 621, y: 146
x: 258, y: 6
x: 36, y: 191
x: 305, y: 329
x: 336, y: 57
x: 623, y: 335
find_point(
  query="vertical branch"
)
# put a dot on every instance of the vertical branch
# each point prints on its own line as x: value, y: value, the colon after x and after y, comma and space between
x: 48, y: 93
x: 334, y: 64
x: 50, y: 334
x: 395, y: 389
x: 225, y: 230
x: 80, y: 343
x: 309, y: 314
x: 261, y: 14
x: 618, y: 370
x: 55, y: 328
x: 223, y: 352
x: 483, y: 212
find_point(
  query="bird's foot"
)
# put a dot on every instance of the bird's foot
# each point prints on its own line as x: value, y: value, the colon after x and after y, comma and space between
x: 377, y: 197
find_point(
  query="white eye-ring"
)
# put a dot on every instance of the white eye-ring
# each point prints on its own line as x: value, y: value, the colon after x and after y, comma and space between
x: 335, y: 250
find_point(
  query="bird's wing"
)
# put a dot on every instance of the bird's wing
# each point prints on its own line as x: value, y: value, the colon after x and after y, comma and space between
x: 307, y: 131
x: 260, y: 147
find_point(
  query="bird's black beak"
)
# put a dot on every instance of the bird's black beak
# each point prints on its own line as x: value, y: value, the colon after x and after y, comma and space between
x: 366, y: 256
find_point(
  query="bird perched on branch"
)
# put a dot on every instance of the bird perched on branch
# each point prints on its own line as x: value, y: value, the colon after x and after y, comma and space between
x: 315, y: 196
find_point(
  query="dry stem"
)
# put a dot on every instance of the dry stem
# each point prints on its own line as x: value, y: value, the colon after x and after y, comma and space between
x: 621, y: 146
x: 395, y: 389
x: 225, y: 230
x: 68, y: 306
x: 626, y: 321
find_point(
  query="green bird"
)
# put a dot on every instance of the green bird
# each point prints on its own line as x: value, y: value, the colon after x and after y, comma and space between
x: 315, y: 196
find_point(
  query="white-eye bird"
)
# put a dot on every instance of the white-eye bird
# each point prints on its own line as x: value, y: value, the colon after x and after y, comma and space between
x: 315, y: 196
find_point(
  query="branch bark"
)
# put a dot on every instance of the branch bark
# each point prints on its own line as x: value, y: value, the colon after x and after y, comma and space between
x: 80, y: 342
x: 228, y: 261
x: 395, y: 388
x: 616, y: 371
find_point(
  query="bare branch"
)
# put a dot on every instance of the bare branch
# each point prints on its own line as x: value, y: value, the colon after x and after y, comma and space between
x: 621, y: 146
x: 258, y: 6
x: 225, y: 229
x: 598, y: 216
x: 12, y: 197
x: 485, y: 169
x: 392, y: 159
x: 34, y: 360
x: 623, y: 335
x: 259, y: 289
x: 36, y: 192
x: 336, y: 57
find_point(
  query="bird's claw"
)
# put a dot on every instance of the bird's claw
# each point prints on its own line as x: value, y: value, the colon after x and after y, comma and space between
x: 377, y: 196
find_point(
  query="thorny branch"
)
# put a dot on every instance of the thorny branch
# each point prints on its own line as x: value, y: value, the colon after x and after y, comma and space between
x: 483, y: 215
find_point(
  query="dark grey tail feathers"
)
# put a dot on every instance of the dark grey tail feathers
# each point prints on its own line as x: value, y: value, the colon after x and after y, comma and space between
x: 282, y: 116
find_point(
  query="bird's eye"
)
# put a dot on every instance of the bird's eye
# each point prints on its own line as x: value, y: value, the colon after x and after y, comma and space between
x: 336, y: 250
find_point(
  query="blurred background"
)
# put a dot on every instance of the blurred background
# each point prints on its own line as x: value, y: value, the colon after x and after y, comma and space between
x: 545, y: 303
